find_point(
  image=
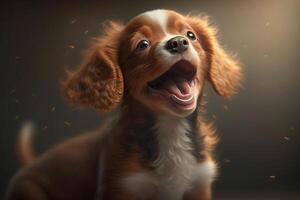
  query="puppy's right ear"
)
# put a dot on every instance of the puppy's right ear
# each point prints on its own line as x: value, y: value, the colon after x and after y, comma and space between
x: 99, y: 81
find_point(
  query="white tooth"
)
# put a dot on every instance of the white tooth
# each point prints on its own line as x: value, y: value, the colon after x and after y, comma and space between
x: 190, y: 89
x: 182, y: 101
x: 193, y: 83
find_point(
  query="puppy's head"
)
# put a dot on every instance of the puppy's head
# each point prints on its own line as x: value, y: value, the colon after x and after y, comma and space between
x: 160, y: 59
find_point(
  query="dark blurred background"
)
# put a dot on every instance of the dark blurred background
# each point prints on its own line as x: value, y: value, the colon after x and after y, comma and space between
x: 259, y: 129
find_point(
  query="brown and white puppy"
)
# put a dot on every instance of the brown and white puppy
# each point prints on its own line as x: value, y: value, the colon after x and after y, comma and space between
x: 159, y: 147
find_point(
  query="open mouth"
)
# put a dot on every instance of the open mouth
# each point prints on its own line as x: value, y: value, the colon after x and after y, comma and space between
x: 176, y: 85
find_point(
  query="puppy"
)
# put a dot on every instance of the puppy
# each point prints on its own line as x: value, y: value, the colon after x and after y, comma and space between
x: 154, y: 69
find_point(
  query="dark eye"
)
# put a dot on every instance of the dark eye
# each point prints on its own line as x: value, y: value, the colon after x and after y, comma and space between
x: 143, y: 44
x: 191, y: 35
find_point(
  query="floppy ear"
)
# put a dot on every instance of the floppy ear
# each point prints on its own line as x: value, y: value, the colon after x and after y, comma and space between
x: 99, y: 81
x: 224, y: 71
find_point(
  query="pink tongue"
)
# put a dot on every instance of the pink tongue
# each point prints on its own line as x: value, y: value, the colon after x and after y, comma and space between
x: 178, y: 87
x: 183, y: 86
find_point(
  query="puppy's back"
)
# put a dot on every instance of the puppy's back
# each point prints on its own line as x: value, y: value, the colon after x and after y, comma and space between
x: 67, y: 171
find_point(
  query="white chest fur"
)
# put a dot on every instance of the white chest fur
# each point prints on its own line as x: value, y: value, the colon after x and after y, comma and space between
x: 176, y: 169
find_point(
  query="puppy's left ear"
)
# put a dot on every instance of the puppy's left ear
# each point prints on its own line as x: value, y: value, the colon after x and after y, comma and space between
x: 224, y: 71
x: 99, y: 81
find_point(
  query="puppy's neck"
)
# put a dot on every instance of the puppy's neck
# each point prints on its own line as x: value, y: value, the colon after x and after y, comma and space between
x: 154, y: 135
x: 134, y: 112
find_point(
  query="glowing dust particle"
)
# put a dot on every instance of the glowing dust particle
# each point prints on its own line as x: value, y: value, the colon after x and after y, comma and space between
x: 73, y: 21
x: 273, y: 177
x: 67, y: 123
x: 286, y: 138
x: 71, y: 46
x: 267, y: 24
x: 226, y: 107
x: 86, y: 32
x: 53, y: 108
x: 45, y: 128
x: 16, y: 100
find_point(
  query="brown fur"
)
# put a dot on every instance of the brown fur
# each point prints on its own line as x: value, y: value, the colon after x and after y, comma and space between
x: 224, y: 72
x: 99, y: 81
x: 110, y: 76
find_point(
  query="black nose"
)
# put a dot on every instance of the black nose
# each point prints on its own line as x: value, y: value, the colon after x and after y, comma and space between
x: 177, y: 44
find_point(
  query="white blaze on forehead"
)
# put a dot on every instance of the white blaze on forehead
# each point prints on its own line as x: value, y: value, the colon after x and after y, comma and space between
x: 158, y: 16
